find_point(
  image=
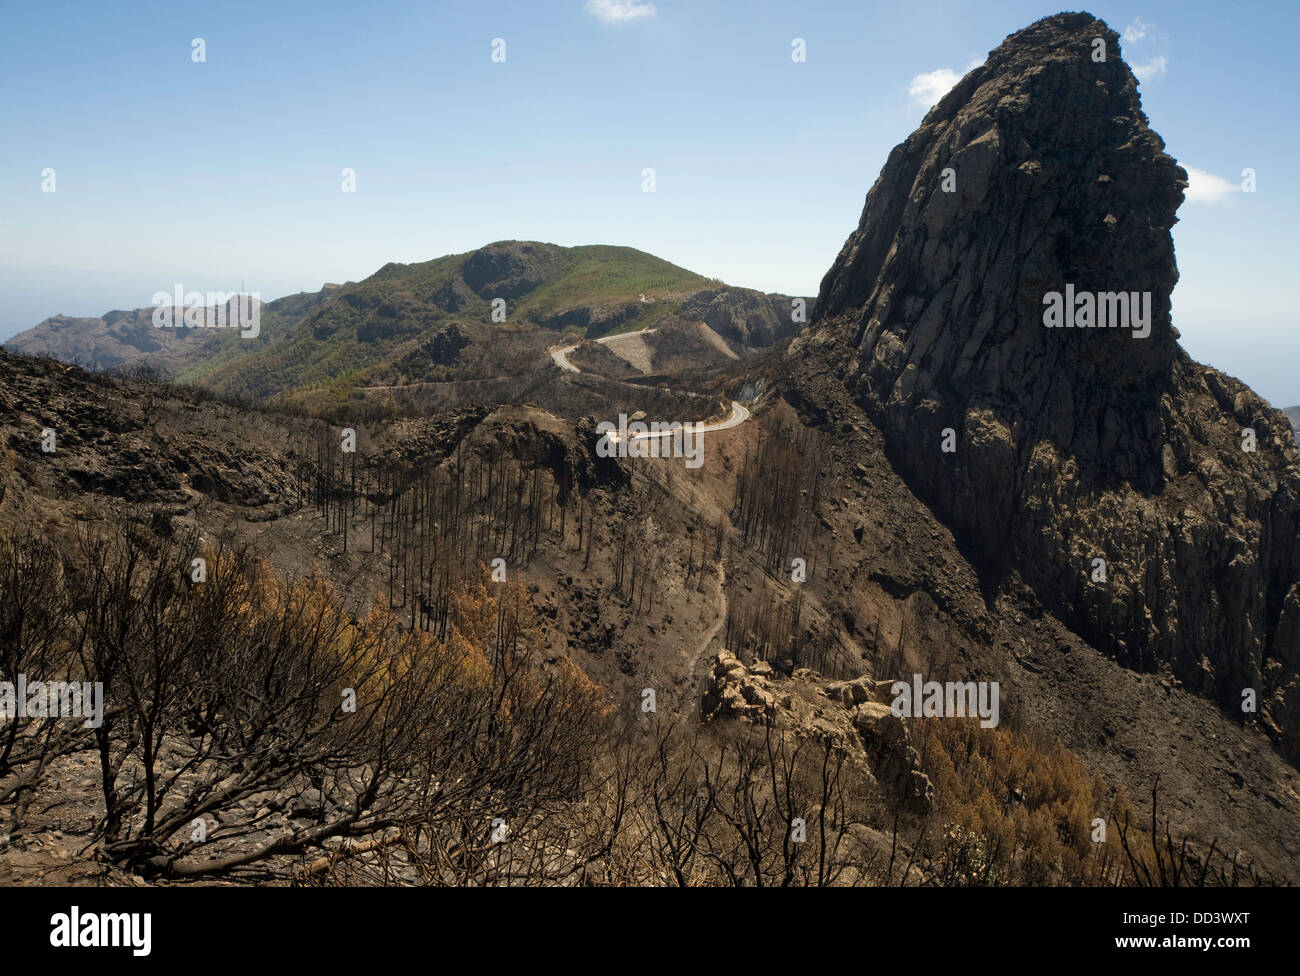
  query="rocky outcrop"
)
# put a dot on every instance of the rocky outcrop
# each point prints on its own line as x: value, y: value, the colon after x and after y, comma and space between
x: 851, y: 714
x: 738, y: 692
x: 1106, y: 469
x: 509, y: 269
x: 539, y: 439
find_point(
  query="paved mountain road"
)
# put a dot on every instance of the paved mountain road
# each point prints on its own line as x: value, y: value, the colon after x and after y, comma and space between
x: 739, y: 413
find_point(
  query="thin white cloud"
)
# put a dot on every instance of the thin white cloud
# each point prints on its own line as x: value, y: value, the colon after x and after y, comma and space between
x: 1203, y: 187
x: 619, y: 11
x: 1135, y: 31
x: 926, y: 89
x: 1152, y: 70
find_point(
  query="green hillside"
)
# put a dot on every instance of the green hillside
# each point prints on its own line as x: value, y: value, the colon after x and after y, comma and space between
x: 433, y: 321
x: 367, y: 330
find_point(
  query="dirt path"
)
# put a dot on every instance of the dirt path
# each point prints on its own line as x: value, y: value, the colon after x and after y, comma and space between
x: 702, y: 650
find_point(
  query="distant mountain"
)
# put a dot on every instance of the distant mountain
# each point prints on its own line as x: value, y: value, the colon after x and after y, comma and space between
x: 1293, y: 415
x: 431, y: 321
x: 123, y: 337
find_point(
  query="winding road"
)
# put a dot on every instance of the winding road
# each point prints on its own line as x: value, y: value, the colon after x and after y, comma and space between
x: 561, y: 353
x: 739, y: 413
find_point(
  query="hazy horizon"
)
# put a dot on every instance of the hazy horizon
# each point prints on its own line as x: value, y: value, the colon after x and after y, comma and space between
x: 1264, y: 365
x: 758, y: 184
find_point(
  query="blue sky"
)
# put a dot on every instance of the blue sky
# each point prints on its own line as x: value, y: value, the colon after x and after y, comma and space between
x: 215, y: 173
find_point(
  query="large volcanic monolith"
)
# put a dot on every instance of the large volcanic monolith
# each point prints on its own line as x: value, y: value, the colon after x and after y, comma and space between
x: 1085, y: 451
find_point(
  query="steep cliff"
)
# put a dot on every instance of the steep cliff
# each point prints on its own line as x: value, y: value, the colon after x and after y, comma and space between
x: 1152, y: 503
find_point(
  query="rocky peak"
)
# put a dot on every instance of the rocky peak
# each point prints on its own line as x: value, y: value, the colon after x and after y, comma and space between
x: 1038, y: 171
x: 1048, y: 448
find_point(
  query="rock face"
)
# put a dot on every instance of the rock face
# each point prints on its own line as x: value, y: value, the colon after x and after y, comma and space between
x: 1067, y: 446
